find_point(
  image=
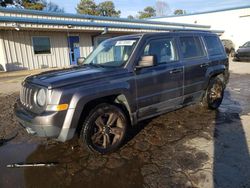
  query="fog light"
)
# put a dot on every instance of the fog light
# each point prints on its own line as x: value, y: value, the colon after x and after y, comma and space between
x: 30, y: 131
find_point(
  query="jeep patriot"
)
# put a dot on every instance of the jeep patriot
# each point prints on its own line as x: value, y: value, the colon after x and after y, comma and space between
x: 123, y: 81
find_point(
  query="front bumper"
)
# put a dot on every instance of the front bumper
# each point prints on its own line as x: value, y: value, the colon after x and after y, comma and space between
x: 48, y: 124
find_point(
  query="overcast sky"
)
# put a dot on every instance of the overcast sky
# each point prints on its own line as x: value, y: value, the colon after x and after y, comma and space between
x: 128, y: 7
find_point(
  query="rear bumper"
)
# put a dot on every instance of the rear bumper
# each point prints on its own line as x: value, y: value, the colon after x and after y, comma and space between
x: 48, y: 124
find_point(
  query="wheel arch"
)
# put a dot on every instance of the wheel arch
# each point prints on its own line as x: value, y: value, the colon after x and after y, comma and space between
x: 218, y: 72
x: 118, y: 99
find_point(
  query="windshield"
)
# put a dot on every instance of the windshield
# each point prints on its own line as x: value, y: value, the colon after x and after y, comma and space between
x: 112, y: 53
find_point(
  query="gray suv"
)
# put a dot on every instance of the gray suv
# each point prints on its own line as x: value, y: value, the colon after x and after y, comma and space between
x: 123, y: 81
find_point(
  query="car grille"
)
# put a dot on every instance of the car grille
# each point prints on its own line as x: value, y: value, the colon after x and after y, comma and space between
x: 27, y: 94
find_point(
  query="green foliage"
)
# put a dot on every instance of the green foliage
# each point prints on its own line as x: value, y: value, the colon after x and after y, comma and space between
x: 179, y: 12
x: 148, y: 12
x: 87, y: 7
x: 106, y: 8
x: 33, y: 4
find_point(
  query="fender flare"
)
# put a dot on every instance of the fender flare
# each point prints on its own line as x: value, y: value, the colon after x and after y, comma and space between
x: 212, y: 72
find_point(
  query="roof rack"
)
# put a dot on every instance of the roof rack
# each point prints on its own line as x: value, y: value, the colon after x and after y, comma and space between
x: 199, y: 30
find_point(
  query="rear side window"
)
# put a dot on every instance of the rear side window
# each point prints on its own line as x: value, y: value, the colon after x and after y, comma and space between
x: 247, y: 44
x: 214, y: 46
x: 191, y: 47
x: 163, y: 50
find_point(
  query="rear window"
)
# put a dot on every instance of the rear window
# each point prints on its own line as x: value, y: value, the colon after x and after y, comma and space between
x: 214, y: 46
x: 191, y: 47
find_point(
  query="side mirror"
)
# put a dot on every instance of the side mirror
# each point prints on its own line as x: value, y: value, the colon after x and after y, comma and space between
x: 146, y: 61
x: 80, y: 60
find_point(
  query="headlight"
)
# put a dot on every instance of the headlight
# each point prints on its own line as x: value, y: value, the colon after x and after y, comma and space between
x: 41, y: 97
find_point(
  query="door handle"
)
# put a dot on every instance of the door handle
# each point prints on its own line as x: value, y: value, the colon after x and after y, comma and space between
x: 204, y: 65
x: 174, y: 71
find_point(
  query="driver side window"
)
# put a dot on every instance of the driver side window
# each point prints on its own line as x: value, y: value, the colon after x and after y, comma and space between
x: 162, y: 50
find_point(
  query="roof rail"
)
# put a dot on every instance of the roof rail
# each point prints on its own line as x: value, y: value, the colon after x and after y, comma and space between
x: 197, y: 30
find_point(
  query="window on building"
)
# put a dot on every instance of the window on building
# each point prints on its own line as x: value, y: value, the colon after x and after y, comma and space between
x: 99, y: 40
x: 41, y: 45
x: 191, y: 47
x: 214, y: 46
x: 163, y: 50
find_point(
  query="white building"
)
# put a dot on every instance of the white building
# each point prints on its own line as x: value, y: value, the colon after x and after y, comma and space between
x: 234, y: 21
x: 36, y: 39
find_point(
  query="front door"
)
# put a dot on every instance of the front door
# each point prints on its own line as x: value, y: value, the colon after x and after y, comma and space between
x: 160, y: 88
x: 74, y: 49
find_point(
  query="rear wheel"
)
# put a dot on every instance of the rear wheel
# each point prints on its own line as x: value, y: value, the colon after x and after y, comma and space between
x: 104, y: 129
x: 214, y: 94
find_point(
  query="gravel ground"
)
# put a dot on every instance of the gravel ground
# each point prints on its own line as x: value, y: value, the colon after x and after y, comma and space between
x: 191, y: 147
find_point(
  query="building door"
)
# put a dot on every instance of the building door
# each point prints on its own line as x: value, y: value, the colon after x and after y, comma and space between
x: 74, y: 48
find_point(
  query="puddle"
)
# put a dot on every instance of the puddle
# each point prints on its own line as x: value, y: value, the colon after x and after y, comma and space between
x: 12, y: 153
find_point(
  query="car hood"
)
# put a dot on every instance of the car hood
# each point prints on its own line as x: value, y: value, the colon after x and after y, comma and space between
x: 74, y: 75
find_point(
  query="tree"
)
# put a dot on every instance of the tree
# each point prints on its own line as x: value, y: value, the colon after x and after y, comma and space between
x: 161, y: 8
x: 52, y: 7
x: 179, y: 12
x: 5, y: 3
x: 131, y: 17
x: 33, y: 4
x: 107, y: 8
x: 148, y: 12
x: 87, y: 7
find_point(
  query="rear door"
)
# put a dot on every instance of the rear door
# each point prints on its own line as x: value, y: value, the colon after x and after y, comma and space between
x: 195, y: 63
x: 159, y: 88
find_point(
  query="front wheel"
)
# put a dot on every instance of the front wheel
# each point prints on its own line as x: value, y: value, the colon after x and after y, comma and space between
x: 104, y: 129
x: 214, y: 94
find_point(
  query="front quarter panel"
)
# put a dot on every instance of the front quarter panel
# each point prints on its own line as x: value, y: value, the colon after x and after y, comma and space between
x: 79, y: 95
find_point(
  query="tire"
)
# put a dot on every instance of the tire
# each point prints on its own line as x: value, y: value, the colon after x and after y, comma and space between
x: 104, y: 129
x: 214, y: 94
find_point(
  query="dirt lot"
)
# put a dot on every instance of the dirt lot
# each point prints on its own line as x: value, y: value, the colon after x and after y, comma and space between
x: 191, y: 147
